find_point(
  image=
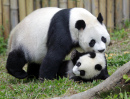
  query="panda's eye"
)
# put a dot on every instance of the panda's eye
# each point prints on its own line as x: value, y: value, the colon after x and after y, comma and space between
x: 78, y: 64
x: 92, y: 43
x: 103, y: 39
x: 98, y: 67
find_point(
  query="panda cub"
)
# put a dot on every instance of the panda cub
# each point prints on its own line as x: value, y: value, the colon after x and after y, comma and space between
x: 84, y: 67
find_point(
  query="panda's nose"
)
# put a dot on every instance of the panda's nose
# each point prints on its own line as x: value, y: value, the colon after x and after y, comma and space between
x: 101, y: 50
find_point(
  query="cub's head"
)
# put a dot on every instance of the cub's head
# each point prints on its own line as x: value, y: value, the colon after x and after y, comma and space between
x: 90, y: 66
x: 93, y: 35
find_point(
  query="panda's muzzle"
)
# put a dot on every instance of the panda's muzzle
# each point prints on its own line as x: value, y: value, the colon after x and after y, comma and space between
x: 76, y: 71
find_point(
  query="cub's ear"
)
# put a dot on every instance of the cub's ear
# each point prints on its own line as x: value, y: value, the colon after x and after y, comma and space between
x: 92, y: 54
x: 80, y: 24
x: 100, y: 18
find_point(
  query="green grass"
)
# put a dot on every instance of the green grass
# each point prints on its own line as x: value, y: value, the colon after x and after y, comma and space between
x: 117, y: 55
x: 118, y: 60
x: 119, y: 34
x: 11, y: 87
x: 119, y: 95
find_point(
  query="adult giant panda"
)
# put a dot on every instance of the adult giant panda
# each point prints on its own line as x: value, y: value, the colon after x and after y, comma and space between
x: 85, y: 67
x: 47, y: 35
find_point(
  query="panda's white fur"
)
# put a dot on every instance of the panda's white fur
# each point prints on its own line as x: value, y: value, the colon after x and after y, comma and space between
x: 88, y: 65
x: 31, y: 33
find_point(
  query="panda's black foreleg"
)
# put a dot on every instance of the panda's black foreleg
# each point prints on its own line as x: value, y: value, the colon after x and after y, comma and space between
x: 51, y: 63
x: 15, y: 62
x: 33, y: 70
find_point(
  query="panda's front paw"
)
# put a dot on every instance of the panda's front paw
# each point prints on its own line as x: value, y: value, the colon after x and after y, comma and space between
x: 41, y: 79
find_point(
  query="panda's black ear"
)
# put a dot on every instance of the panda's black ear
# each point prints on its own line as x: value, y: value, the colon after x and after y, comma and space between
x: 92, y: 54
x: 80, y: 24
x: 100, y: 18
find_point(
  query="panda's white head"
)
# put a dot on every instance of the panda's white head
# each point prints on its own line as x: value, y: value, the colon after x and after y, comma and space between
x: 93, y: 35
x: 91, y: 66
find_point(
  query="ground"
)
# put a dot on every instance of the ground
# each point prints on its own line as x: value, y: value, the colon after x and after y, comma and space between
x: 118, y: 53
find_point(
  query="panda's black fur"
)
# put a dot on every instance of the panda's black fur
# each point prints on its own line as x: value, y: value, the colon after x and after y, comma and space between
x: 44, y: 43
x: 59, y: 44
x: 66, y: 67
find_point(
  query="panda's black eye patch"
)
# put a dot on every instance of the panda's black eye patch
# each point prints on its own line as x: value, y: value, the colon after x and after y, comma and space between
x: 82, y: 73
x: 103, y: 39
x: 78, y: 64
x: 98, y: 67
x: 92, y: 43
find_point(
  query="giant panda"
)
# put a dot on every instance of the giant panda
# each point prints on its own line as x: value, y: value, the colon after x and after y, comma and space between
x: 47, y: 35
x: 84, y: 67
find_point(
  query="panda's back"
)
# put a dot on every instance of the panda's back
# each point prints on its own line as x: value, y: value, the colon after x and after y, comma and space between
x: 29, y: 35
